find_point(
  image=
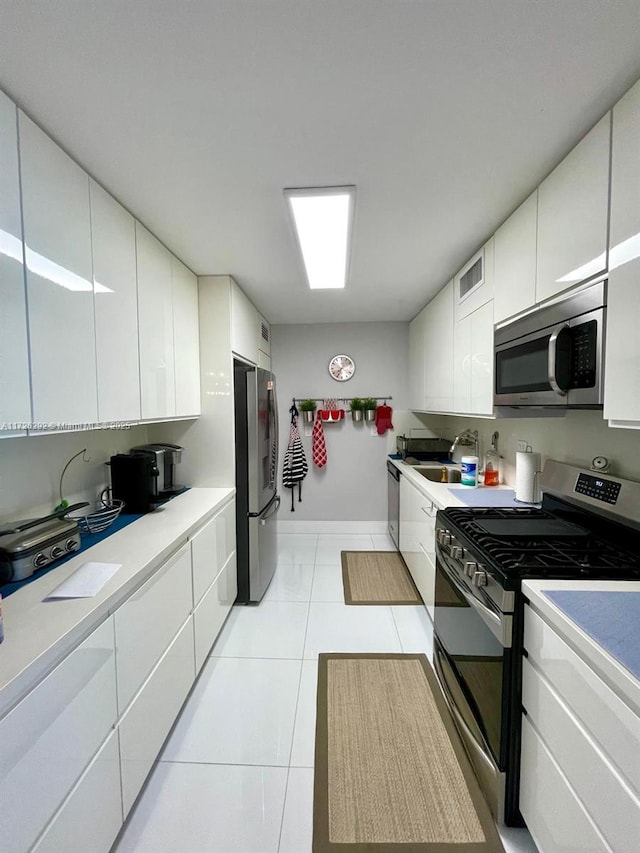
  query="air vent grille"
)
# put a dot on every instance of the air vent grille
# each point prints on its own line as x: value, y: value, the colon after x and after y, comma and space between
x: 471, y: 278
x: 265, y: 333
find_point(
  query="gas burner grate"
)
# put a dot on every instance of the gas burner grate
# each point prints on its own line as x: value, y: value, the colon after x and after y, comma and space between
x: 523, y: 556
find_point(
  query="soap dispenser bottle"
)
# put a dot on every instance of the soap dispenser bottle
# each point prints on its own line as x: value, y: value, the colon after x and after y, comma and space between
x: 492, y: 463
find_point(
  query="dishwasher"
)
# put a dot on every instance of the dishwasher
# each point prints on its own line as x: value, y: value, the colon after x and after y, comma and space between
x: 393, y: 498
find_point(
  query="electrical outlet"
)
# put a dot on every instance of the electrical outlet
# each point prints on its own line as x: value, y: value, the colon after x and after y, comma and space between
x: 522, y: 445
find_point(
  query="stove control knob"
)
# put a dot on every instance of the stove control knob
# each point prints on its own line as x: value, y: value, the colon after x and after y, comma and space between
x: 479, y: 578
x: 40, y: 560
x: 457, y: 552
x: 444, y: 536
x: 470, y: 567
x: 56, y: 552
x: 71, y: 544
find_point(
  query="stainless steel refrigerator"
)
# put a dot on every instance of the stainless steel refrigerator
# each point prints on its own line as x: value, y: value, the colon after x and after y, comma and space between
x: 257, y: 500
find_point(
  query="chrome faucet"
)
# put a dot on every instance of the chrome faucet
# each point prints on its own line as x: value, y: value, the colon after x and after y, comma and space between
x: 466, y: 438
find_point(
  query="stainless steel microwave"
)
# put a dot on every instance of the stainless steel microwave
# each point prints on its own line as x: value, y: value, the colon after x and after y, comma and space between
x: 553, y: 357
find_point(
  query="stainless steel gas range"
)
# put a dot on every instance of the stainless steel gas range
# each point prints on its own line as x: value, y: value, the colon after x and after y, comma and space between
x: 588, y: 527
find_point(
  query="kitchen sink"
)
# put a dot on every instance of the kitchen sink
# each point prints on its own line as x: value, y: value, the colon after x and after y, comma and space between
x: 434, y: 472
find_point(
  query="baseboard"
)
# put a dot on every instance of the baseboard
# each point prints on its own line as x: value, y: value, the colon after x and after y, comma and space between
x: 345, y: 527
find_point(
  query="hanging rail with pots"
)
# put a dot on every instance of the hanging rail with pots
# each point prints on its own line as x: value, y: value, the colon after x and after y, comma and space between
x: 360, y: 407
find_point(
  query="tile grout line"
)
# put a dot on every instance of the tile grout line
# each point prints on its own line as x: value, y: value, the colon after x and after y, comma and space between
x: 295, y: 713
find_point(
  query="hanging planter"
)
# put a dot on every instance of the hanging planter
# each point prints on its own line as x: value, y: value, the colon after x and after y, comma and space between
x: 369, y: 405
x: 356, y: 409
x: 308, y: 410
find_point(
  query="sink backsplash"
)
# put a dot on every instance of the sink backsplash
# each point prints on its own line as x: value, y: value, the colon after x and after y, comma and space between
x: 576, y: 439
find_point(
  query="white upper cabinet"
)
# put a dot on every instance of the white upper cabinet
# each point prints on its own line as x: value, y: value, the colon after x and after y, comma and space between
x: 572, y: 215
x: 244, y: 340
x: 622, y: 364
x: 515, y: 261
x: 186, y: 339
x: 438, y: 379
x: 155, y: 317
x: 15, y: 400
x: 417, y: 361
x: 113, y: 233
x: 473, y: 285
x: 57, y: 234
x: 473, y: 363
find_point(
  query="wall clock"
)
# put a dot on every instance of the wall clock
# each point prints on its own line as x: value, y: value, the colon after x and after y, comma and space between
x: 342, y: 367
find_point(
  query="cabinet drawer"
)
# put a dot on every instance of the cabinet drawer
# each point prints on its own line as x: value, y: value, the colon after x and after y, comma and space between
x: 608, y: 720
x: 147, y: 723
x: 554, y: 816
x: 605, y: 797
x: 49, y: 738
x: 210, y: 614
x: 211, y: 547
x: 226, y: 533
x: 92, y: 816
x: 149, y: 620
x: 204, y: 558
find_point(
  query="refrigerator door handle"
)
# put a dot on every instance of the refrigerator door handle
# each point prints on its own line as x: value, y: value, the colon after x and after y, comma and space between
x: 276, y: 506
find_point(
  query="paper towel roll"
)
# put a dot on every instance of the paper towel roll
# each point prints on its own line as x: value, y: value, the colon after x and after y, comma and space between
x: 527, y: 468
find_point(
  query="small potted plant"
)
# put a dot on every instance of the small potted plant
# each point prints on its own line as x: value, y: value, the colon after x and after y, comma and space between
x: 369, y: 405
x: 308, y: 409
x: 356, y: 409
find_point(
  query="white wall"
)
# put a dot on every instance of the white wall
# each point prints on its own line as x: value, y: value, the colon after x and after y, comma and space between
x: 576, y: 439
x: 30, y: 468
x: 353, y: 485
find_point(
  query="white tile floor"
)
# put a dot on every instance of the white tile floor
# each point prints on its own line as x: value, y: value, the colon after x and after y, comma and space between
x: 236, y: 775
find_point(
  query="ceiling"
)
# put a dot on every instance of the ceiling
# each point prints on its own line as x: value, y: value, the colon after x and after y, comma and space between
x: 196, y: 114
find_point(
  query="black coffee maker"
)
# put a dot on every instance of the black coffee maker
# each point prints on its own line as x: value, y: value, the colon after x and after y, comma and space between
x: 133, y: 480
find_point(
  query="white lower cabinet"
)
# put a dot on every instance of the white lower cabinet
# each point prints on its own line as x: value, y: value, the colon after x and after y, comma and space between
x: 51, y: 736
x: 149, y: 620
x: 91, y: 817
x: 417, y: 540
x: 147, y: 722
x: 209, y: 615
x: 555, y: 817
x: 579, y: 778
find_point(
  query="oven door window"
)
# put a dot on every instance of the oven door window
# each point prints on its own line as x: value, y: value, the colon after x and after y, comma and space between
x: 477, y: 659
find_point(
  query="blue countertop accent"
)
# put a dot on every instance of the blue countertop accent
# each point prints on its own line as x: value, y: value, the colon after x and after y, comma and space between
x: 612, y: 619
x: 87, y: 540
x: 488, y: 496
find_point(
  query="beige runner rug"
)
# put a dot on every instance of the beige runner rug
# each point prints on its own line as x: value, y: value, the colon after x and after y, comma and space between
x: 377, y: 577
x: 391, y: 774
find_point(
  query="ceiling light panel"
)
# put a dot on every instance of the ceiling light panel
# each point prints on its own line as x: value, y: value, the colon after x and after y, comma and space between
x: 322, y: 219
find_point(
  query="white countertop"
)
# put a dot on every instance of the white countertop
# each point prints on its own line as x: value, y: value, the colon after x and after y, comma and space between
x: 614, y: 673
x: 441, y: 494
x: 39, y: 633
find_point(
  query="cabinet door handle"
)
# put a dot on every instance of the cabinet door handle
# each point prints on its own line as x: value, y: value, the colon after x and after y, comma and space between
x: 429, y: 510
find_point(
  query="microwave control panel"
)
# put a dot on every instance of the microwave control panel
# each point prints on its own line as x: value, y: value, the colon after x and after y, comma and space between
x: 597, y: 488
x: 584, y: 355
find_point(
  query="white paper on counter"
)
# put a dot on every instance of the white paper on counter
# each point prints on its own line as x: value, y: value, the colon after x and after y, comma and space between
x: 86, y: 581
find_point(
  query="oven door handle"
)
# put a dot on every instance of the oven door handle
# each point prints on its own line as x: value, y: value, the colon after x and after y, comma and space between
x: 500, y: 626
x: 553, y: 351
